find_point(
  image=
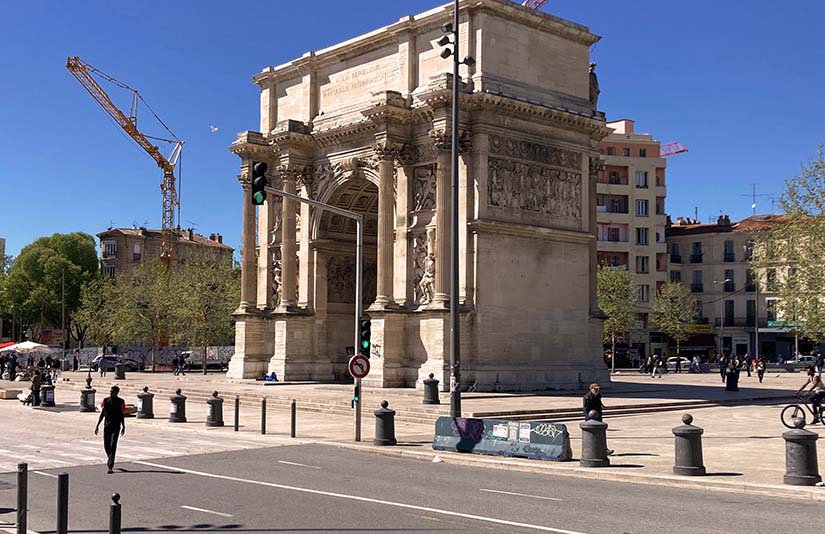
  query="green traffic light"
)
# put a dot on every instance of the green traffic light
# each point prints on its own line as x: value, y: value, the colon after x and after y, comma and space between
x: 365, y: 344
x: 258, y: 198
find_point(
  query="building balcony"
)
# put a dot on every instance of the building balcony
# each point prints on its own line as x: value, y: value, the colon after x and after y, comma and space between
x: 697, y: 288
x: 731, y: 322
x: 695, y: 258
x: 675, y: 258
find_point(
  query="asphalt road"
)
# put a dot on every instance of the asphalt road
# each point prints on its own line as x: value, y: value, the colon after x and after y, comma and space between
x: 320, y: 488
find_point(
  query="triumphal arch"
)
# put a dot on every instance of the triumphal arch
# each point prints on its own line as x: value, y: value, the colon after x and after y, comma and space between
x: 365, y: 125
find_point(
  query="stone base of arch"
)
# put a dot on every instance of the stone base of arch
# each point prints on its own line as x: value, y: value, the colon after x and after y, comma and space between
x: 252, y: 351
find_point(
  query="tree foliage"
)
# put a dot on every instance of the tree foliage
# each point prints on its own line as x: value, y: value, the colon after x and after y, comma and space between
x: 32, y: 284
x: 788, y: 257
x: 674, y: 310
x: 618, y: 300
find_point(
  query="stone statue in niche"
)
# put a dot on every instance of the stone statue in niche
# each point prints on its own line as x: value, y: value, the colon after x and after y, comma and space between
x: 594, y: 86
x: 276, y: 277
x: 427, y: 284
x: 419, y: 263
x: 424, y: 188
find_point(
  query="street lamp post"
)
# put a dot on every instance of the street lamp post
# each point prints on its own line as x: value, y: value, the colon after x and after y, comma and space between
x: 721, y: 314
x: 451, y: 29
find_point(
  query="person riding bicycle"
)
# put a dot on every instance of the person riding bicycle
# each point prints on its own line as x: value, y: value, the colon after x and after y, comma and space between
x: 817, y: 391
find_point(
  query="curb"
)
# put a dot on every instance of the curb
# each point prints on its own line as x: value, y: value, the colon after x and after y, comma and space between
x: 557, y: 469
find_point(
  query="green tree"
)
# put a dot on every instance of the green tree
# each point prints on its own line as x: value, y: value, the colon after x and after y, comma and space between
x: 34, y: 281
x: 97, y: 309
x: 208, y: 293
x: 142, y: 305
x: 618, y: 300
x: 788, y: 256
x: 674, y: 310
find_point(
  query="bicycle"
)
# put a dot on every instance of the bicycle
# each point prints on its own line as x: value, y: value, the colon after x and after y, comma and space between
x: 797, y: 411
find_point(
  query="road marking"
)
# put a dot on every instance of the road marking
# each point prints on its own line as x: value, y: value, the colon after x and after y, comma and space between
x: 364, y: 499
x: 44, y: 474
x: 519, y: 494
x: 206, y: 511
x: 299, y: 465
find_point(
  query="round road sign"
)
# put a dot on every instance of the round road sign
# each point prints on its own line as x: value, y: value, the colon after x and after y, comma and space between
x: 359, y: 366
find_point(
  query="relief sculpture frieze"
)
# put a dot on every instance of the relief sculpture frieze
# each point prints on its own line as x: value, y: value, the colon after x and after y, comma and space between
x: 531, y: 187
x: 535, y: 152
x: 424, y: 188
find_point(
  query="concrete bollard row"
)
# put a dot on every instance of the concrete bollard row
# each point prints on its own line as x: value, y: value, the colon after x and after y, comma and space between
x: 384, y: 425
x: 87, y: 397
x: 214, y: 413
x: 688, y: 448
x: 594, y: 442
x: 177, y: 408
x: 145, y: 405
x: 801, y: 466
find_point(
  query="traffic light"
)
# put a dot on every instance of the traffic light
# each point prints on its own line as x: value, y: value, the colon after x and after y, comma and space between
x: 364, y: 328
x: 356, y: 394
x: 259, y: 183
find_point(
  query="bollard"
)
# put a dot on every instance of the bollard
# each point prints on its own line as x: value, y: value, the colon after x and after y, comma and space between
x: 384, y: 425
x: 731, y: 380
x: 431, y: 391
x: 263, y: 415
x: 293, y: 418
x: 801, y: 468
x: 214, y: 414
x: 177, y: 408
x: 62, y: 503
x: 22, y: 498
x: 87, y: 397
x: 120, y: 371
x: 594, y: 442
x: 114, y: 514
x: 145, y: 407
x: 237, y: 412
x: 688, y: 449
x: 47, y: 395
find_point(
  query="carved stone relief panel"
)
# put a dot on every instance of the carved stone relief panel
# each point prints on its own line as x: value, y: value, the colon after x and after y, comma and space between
x: 423, y: 267
x: 341, y: 281
x: 533, y: 188
x: 548, y: 155
x: 424, y: 187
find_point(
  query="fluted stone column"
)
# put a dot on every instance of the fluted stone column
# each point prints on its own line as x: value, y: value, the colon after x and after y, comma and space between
x: 441, y: 140
x: 596, y: 164
x: 386, y: 165
x: 288, y: 297
x: 248, y: 270
x: 266, y: 224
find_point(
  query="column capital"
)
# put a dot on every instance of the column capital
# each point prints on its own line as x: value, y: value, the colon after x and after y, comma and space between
x: 442, y: 140
x: 596, y: 165
x: 244, y: 180
x: 292, y: 172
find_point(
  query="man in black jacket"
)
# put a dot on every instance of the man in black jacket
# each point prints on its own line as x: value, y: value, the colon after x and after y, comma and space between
x: 112, y: 412
x: 592, y: 401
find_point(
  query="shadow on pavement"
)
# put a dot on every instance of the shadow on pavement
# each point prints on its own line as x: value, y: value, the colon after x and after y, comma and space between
x: 135, y: 471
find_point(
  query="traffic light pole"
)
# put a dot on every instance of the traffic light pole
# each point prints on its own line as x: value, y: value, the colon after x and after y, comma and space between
x: 359, y: 267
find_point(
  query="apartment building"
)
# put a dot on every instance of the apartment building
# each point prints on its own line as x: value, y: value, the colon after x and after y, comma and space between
x: 122, y: 249
x: 631, y: 220
x: 713, y: 261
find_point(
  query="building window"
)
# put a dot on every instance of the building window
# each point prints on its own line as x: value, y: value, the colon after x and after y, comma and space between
x: 700, y: 312
x: 641, y: 208
x: 641, y: 179
x: 770, y: 280
x: 675, y: 253
x: 136, y: 252
x: 611, y: 151
x: 770, y: 304
x: 642, y: 320
x: 749, y: 251
x: 613, y: 234
x: 696, y: 284
x: 675, y: 276
x: 749, y: 281
x: 658, y: 237
x: 729, y: 255
x: 643, y: 292
x: 108, y: 270
x: 728, y: 313
x: 750, y: 307
x: 626, y: 152
x: 641, y: 236
x: 642, y: 264
x: 731, y: 284
x: 614, y: 178
x: 642, y: 152
x: 696, y: 252
x: 109, y: 249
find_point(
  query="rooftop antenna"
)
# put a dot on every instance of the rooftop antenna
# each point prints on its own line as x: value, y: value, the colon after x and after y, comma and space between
x: 753, y: 196
x: 773, y: 201
x: 696, y: 213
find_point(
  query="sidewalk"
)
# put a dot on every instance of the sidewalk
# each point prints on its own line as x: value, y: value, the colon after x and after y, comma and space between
x: 743, y: 447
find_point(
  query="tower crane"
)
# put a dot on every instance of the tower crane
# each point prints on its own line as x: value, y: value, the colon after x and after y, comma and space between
x: 83, y: 72
x: 672, y: 148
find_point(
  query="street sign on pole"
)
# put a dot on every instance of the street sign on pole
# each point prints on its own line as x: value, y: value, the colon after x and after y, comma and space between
x: 359, y: 366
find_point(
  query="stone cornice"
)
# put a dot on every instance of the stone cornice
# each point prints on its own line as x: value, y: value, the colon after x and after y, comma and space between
x: 250, y: 145
x: 421, y: 23
x: 529, y: 231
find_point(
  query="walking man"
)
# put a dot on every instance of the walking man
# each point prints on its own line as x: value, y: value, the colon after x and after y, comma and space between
x: 112, y: 413
x: 657, y: 367
x: 760, y: 368
x: 37, y: 381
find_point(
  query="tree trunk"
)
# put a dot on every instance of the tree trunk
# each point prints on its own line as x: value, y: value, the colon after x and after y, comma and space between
x: 613, y: 353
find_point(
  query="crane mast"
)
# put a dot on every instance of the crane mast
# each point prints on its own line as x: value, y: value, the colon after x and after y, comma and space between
x: 83, y: 72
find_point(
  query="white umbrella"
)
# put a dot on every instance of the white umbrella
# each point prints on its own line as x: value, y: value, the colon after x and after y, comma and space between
x: 28, y: 346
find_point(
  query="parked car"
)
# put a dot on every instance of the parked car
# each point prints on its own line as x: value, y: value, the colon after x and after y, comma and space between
x: 671, y: 363
x: 805, y: 360
x: 108, y: 363
x: 195, y: 361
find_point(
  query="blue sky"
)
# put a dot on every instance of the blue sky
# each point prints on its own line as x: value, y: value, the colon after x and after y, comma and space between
x: 739, y: 83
